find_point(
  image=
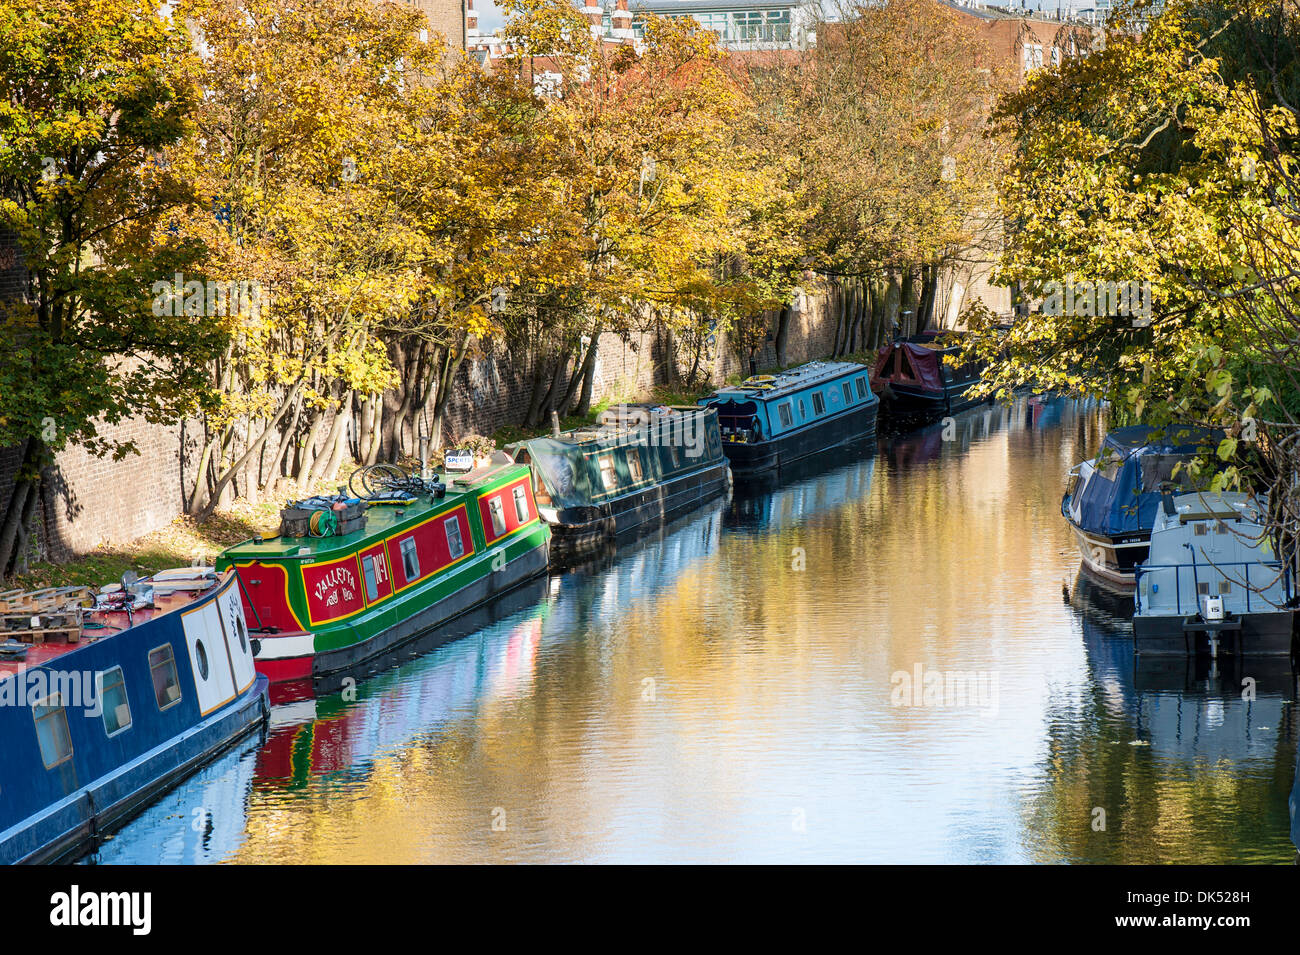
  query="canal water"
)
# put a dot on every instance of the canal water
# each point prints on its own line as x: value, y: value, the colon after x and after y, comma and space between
x: 890, y: 657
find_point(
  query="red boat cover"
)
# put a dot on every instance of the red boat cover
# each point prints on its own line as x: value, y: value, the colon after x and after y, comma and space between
x: 919, y: 366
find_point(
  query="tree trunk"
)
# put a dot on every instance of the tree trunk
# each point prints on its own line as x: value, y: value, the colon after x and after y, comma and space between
x: 782, y: 335
x: 17, y: 517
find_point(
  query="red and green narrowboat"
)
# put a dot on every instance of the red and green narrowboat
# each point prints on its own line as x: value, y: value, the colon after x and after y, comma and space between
x: 433, y: 549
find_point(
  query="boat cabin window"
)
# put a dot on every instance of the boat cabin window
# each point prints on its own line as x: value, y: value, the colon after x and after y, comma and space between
x: 498, y: 512
x: 783, y: 409
x: 166, y: 684
x: 411, y: 560
x: 676, y: 453
x: 1225, y: 587
x: 608, y: 476
x: 819, y: 403
x: 372, y: 579
x: 1202, y: 587
x: 521, y: 505
x: 455, y: 545
x: 634, y: 465
x: 1202, y: 529
x: 1159, y: 469
x: 52, y: 730
x: 848, y: 393
x: 862, y: 386
x: 803, y: 412
x: 113, y: 704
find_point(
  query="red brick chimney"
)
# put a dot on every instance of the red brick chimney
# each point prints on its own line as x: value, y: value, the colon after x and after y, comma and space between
x: 622, y: 21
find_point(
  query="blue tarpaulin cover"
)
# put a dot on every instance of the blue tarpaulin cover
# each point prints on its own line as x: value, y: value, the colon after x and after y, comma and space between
x: 1124, y: 493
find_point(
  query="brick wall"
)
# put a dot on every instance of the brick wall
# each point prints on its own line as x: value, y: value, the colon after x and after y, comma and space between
x: 446, y: 17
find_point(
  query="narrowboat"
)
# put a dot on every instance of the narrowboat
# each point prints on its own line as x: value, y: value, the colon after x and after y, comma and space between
x: 912, y: 377
x: 1211, y: 581
x: 373, y: 574
x: 1110, y: 502
x: 640, y: 467
x: 770, y: 421
x: 105, y: 707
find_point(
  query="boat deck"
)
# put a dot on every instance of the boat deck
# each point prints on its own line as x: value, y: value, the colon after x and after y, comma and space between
x: 95, y: 625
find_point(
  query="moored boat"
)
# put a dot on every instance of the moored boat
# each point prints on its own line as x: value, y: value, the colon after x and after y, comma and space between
x: 104, y: 708
x: 640, y: 467
x: 323, y: 605
x: 912, y: 377
x: 770, y: 421
x: 1110, y: 502
x: 1211, y: 581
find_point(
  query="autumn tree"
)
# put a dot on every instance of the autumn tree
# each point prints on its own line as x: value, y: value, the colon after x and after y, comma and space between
x: 93, y: 93
x: 886, y: 117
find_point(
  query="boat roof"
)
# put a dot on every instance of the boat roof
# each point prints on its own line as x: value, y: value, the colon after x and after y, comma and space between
x: 794, y: 379
x: 1163, y: 439
x: 1204, y: 506
x: 610, y: 433
x: 381, y: 519
x: 192, y: 584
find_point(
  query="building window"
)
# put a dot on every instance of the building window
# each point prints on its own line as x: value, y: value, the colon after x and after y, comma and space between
x: 411, y: 559
x: 372, y: 579
x: 634, y: 465
x: 521, y: 504
x: 1033, y: 56
x: 862, y: 386
x: 819, y: 404
x: 498, y: 512
x: 52, y: 731
x: 113, y: 705
x: 455, y: 543
x: 166, y: 684
x: 608, y: 476
x: 783, y: 410
x: 848, y: 393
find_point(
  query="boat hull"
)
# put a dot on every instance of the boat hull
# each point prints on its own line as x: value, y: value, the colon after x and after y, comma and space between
x: 757, y: 458
x: 579, y: 532
x: 75, y: 824
x: 910, y: 400
x: 1113, y: 559
x: 1263, y: 634
x: 296, y: 675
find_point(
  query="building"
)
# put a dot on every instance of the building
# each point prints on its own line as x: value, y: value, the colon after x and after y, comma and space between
x: 741, y: 24
x: 448, y: 17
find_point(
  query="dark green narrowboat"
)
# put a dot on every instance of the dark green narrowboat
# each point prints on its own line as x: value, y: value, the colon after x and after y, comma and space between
x: 641, y: 466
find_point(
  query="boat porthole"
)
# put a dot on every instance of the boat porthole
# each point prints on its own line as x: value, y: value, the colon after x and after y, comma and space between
x: 201, y: 655
x: 243, y: 634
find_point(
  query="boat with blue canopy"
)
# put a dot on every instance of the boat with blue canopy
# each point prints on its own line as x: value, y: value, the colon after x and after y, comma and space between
x: 1111, y: 500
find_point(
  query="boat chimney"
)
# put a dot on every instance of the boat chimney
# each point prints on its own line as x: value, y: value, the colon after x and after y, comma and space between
x: 555, y: 424
x: 1167, y: 500
x: 424, y: 456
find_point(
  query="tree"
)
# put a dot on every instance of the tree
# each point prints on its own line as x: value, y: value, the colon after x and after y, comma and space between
x: 92, y: 95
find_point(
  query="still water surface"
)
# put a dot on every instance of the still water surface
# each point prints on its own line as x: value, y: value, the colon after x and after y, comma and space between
x: 732, y: 691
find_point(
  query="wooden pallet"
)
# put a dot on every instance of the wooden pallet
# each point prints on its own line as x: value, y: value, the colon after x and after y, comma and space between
x: 38, y: 637
x: 48, y: 600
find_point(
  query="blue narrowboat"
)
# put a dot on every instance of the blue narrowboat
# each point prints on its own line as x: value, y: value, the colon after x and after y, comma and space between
x: 1110, y: 501
x: 104, y: 708
x: 769, y: 421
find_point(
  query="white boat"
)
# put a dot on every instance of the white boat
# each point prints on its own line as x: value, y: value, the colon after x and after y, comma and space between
x: 1212, y: 581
